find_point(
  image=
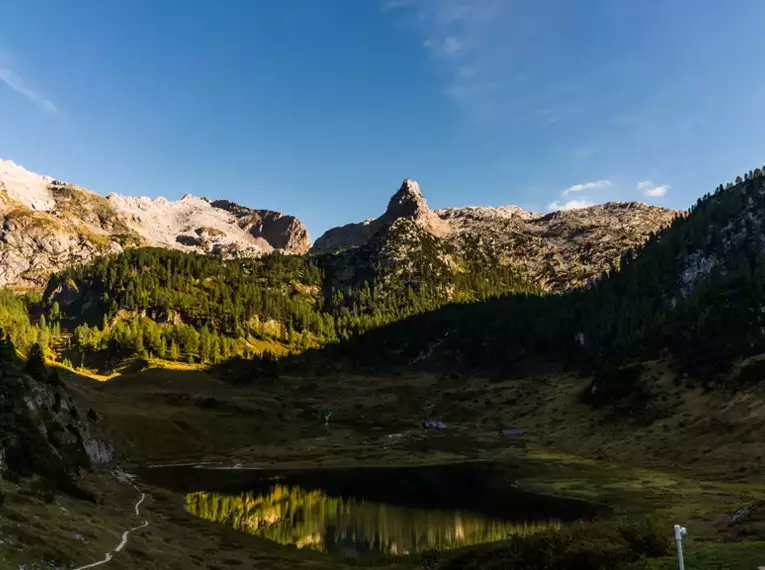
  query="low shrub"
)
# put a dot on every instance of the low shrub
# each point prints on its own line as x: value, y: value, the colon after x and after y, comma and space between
x: 603, y: 545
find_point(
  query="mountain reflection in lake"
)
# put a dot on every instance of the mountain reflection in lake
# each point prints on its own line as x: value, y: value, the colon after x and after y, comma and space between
x: 292, y: 515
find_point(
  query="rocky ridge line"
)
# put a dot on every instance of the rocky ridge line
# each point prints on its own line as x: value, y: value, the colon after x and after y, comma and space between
x: 559, y: 250
x: 47, y: 225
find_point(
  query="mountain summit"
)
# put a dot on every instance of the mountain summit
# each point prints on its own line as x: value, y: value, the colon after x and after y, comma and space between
x: 559, y: 250
x: 47, y: 225
x: 407, y: 203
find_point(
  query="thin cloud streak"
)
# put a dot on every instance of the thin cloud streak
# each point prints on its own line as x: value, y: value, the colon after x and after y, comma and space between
x: 476, y: 45
x: 460, y: 38
x: 389, y: 5
x: 16, y: 83
x: 593, y: 185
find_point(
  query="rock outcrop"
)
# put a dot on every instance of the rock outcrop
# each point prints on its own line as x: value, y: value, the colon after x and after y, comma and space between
x: 44, y: 433
x: 47, y: 225
x: 559, y: 250
x: 407, y: 203
x: 279, y: 230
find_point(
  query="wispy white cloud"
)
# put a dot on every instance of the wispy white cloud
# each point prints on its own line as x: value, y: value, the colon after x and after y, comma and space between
x: 446, y: 47
x: 481, y: 48
x: 12, y: 80
x: 593, y: 185
x: 652, y: 190
x: 452, y: 45
x: 569, y: 205
x: 448, y: 50
x: 462, y: 38
x: 395, y: 4
x: 565, y: 205
x: 582, y: 152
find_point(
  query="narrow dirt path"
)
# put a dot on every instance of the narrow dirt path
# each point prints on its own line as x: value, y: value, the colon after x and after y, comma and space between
x: 109, y: 555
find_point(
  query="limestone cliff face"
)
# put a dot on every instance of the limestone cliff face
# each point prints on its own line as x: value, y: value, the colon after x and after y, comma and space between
x: 279, y: 230
x: 47, y: 225
x: 558, y: 250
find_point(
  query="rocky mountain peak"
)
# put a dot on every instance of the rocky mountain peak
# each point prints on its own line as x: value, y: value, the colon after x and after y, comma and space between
x: 280, y: 230
x: 559, y: 250
x: 408, y: 202
x: 28, y: 188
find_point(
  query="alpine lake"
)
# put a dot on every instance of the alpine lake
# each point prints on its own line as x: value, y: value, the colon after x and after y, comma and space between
x: 370, y: 510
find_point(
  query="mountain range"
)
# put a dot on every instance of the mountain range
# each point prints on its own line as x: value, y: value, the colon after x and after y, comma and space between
x: 49, y: 225
x: 559, y: 250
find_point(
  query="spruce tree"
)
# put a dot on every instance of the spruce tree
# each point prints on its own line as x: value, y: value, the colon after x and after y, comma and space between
x: 174, y: 355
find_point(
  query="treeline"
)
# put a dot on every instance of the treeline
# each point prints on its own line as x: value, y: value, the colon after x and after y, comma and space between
x: 196, y: 308
x: 696, y: 289
x: 145, y: 338
x: 202, y: 290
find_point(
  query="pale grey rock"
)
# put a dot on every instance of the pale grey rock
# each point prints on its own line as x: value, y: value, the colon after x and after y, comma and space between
x: 559, y: 251
x: 47, y: 225
x: 27, y: 188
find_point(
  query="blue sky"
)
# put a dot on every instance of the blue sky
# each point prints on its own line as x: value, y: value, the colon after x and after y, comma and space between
x: 320, y: 108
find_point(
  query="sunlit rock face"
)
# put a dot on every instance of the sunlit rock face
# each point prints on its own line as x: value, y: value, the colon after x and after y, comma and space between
x: 559, y: 250
x: 47, y: 225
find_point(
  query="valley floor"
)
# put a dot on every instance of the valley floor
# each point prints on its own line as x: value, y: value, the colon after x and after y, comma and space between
x: 694, y: 458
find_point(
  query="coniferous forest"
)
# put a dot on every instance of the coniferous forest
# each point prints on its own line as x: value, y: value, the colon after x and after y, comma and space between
x: 694, y: 291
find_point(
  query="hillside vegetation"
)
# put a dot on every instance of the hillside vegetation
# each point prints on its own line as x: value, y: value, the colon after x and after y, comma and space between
x: 693, y: 291
x: 195, y: 308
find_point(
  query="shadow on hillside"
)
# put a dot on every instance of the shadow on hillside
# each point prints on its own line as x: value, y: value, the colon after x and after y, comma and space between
x: 510, y: 336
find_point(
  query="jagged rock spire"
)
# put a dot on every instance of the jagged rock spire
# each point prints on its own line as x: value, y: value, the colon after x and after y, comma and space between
x: 408, y: 202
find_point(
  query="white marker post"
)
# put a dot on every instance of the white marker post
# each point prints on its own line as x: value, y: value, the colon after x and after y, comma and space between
x: 679, y: 534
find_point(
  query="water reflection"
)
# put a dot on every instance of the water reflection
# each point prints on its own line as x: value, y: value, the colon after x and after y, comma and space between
x: 314, y: 520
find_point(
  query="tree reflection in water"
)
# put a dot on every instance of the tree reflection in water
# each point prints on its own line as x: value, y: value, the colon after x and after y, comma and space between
x: 311, y: 519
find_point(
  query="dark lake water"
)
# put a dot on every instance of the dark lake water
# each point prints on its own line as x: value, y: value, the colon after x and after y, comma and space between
x: 371, y: 510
